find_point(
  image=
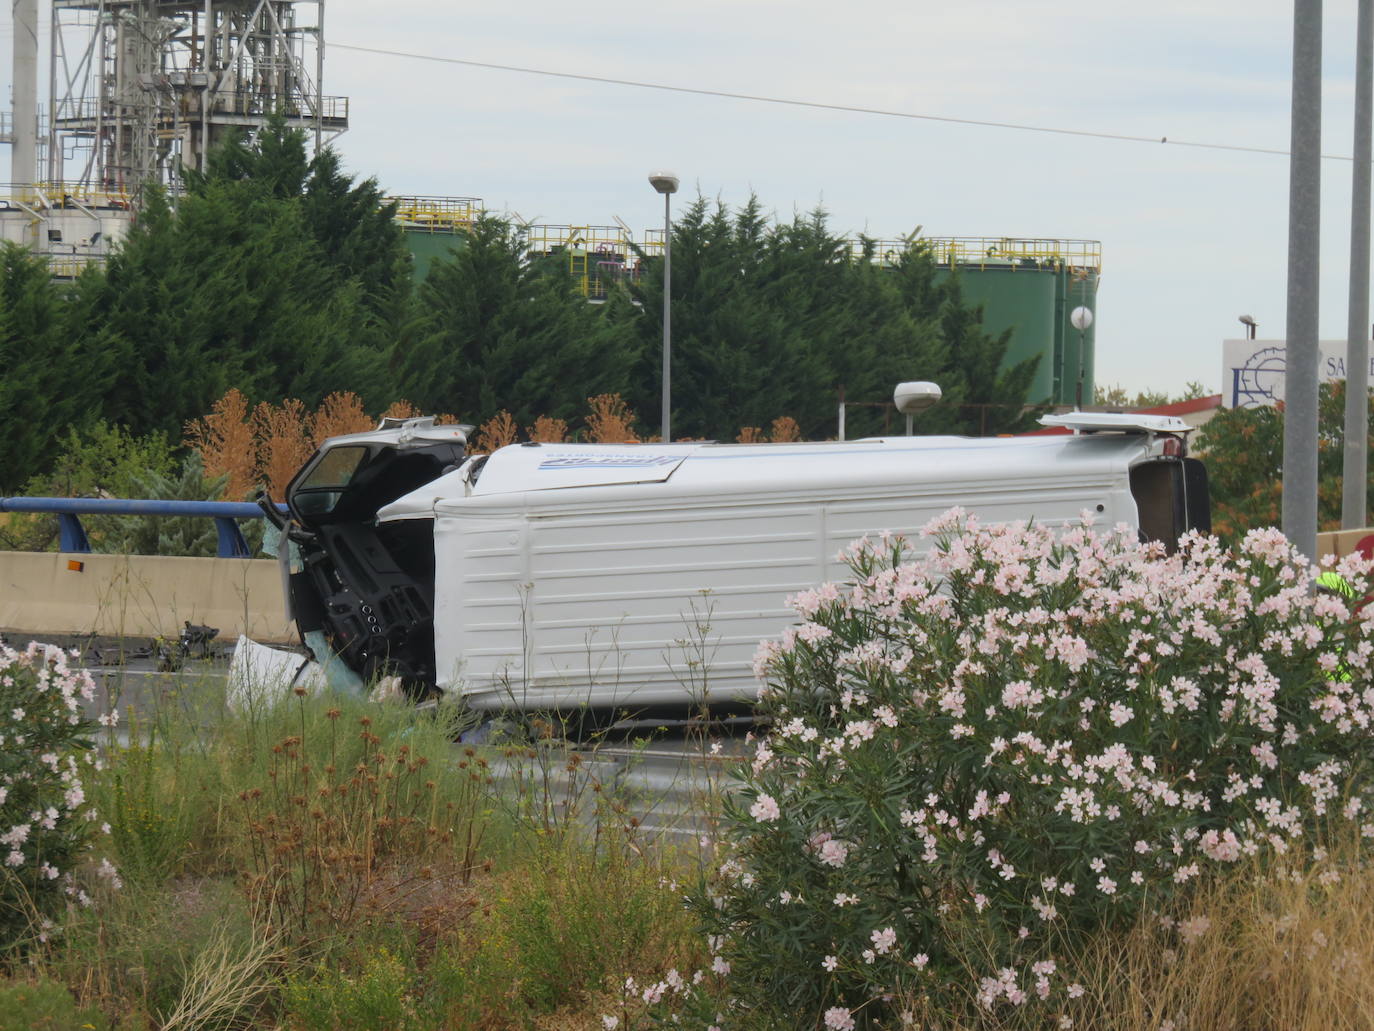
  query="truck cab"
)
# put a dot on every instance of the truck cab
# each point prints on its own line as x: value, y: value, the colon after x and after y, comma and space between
x: 369, y: 586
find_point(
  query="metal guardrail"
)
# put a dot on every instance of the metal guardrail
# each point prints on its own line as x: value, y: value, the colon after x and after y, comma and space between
x: 72, y: 535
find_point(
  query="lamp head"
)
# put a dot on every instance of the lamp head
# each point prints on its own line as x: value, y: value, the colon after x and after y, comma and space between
x: 912, y: 398
x: 663, y: 181
x: 1248, y: 320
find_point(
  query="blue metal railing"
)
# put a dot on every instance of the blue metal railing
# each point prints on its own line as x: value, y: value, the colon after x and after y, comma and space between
x: 72, y: 535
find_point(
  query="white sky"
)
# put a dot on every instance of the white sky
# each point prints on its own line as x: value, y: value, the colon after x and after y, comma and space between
x: 1190, y: 238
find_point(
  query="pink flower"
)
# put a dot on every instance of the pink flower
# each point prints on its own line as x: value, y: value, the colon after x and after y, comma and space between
x: 765, y: 810
x: 884, y: 940
x: 1192, y: 930
x: 1223, y: 847
x: 834, y: 852
x: 837, y: 1018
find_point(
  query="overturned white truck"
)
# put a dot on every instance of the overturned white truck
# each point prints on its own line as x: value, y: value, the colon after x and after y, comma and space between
x: 637, y: 576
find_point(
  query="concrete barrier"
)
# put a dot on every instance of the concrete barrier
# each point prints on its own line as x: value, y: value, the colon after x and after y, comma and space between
x: 140, y: 595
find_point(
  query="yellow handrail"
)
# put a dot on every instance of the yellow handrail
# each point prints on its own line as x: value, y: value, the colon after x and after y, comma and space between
x: 437, y: 214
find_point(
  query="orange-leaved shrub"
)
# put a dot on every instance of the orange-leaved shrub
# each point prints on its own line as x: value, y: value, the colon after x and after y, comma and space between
x: 548, y: 430
x: 611, y: 420
x: 496, y: 432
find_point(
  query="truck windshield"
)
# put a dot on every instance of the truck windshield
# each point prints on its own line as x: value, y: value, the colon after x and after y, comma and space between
x: 322, y: 487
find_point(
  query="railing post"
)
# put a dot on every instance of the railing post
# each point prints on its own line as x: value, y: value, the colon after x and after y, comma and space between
x: 231, y: 542
x: 71, y: 534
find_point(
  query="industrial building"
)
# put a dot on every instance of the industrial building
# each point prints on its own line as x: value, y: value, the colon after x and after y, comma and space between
x: 137, y: 91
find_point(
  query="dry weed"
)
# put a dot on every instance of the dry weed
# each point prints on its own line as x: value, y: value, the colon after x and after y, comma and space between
x: 222, y: 983
x: 1266, y: 948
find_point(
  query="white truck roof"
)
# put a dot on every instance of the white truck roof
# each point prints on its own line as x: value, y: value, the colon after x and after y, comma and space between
x: 686, y: 469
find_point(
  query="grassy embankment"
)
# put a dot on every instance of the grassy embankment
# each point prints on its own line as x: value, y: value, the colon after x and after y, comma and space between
x: 328, y: 863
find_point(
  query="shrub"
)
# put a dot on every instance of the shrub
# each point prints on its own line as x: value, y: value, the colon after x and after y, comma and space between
x: 150, y: 828
x: 497, y: 432
x: 45, y: 821
x: 611, y: 420
x: 101, y: 460
x: 377, y: 998
x: 44, y: 1005
x: 983, y: 754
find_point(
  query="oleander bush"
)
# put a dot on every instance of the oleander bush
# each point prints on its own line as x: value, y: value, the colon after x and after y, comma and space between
x: 45, y: 819
x: 987, y: 749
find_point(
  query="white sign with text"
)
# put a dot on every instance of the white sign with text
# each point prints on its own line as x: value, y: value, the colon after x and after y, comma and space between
x: 1252, y: 372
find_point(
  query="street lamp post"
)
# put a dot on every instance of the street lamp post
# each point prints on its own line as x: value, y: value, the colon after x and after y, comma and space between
x: 666, y: 184
x: 1080, y: 318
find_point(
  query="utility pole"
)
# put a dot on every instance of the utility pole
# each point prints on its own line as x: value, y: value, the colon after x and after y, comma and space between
x: 1355, y: 472
x: 1304, y: 234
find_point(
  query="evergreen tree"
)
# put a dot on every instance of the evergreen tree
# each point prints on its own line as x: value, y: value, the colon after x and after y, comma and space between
x: 52, y: 372
x: 275, y: 273
x: 979, y: 397
x: 352, y: 222
x: 494, y: 330
x: 774, y: 319
x: 227, y: 291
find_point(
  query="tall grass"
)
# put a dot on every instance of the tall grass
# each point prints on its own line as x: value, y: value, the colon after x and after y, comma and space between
x: 1266, y: 947
x: 328, y: 862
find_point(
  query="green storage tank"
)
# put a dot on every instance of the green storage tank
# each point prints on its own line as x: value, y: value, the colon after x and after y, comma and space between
x: 434, y: 226
x: 426, y: 246
x: 1031, y: 287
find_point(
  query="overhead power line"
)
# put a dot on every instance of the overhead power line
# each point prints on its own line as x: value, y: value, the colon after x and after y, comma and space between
x: 818, y: 105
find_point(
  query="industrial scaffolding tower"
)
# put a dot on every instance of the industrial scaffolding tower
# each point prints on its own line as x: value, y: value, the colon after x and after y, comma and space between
x: 140, y: 89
